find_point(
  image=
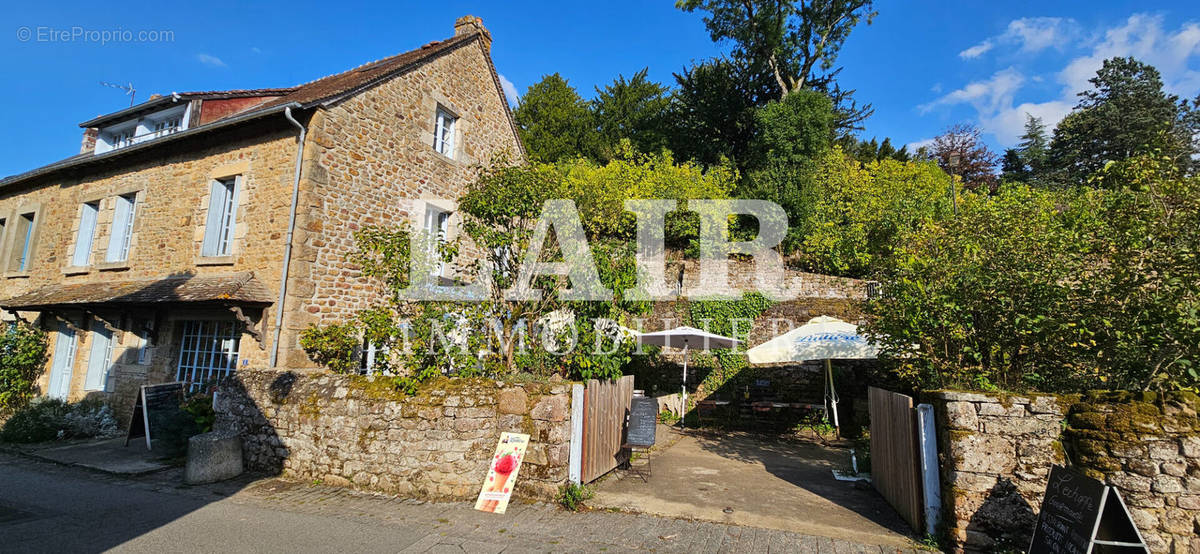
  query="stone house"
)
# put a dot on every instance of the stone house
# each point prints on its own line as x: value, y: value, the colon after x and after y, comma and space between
x: 198, y: 233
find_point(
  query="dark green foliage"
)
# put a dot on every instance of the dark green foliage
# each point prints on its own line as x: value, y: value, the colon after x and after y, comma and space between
x: 1027, y: 162
x: 795, y: 44
x: 48, y: 419
x: 873, y: 150
x: 1127, y: 114
x: 794, y: 130
x: 332, y: 346
x: 555, y: 122
x: 713, y: 111
x: 22, y: 361
x: 636, y: 110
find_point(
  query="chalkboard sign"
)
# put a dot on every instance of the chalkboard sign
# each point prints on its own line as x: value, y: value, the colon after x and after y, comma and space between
x: 1082, y: 515
x: 643, y: 416
x: 155, y: 406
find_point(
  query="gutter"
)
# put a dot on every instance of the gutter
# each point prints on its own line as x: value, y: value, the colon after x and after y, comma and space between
x: 81, y: 160
x: 287, y: 248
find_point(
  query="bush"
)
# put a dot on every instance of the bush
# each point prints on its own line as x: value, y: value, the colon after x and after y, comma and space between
x: 22, y: 360
x: 573, y: 495
x: 50, y: 419
x: 331, y: 346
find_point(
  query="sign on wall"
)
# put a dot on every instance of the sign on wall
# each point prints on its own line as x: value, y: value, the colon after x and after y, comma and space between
x: 1082, y: 515
x: 502, y: 475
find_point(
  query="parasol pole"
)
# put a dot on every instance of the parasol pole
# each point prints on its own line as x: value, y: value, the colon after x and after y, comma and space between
x: 831, y: 393
x: 683, y: 410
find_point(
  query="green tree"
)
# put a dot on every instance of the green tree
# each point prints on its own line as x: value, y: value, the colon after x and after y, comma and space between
x: 22, y: 361
x: 873, y: 150
x: 795, y: 129
x: 1126, y: 114
x: 1027, y: 162
x: 635, y: 109
x: 555, y: 122
x: 796, y: 42
x: 712, y: 111
x: 851, y: 213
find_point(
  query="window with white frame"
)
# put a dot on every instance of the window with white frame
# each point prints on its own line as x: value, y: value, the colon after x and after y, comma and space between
x: 373, y: 358
x: 437, y: 226
x: 85, y: 235
x: 222, y: 217
x: 144, y: 329
x: 167, y: 126
x: 208, y: 351
x: 443, y: 137
x: 121, y: 234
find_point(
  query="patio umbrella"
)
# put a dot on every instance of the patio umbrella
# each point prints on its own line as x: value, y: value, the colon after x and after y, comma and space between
x: 822, y: 338
x: 687, y: 338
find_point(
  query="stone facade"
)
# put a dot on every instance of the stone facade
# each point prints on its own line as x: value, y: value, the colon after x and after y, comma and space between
x: 996, y: 454
x: 372, y: 162
x: 368, y: 159
x: 349, y: 431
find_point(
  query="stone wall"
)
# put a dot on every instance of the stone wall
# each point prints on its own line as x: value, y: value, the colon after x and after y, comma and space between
x: 349, y: 431
x: 996, y: 453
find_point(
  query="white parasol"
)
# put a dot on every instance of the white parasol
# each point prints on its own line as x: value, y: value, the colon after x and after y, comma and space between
x: 687, y: 338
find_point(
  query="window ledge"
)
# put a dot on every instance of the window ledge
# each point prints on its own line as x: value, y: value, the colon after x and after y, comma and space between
x: 17, y: 275
x: 215, y: 260
x: 76, y: 270
x: 113, y: 266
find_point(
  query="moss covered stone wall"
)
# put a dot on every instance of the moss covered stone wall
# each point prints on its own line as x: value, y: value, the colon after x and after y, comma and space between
x: 996, y: 452
x: 349, y: 431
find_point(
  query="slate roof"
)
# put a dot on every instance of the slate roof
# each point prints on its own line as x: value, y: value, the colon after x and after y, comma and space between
x: 234, y: 288
x: 313, y: 93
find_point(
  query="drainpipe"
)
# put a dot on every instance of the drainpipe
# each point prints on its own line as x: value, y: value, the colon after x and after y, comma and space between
x: 287, y: 247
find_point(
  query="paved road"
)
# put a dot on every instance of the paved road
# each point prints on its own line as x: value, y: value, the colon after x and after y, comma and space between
x: 46, y: 507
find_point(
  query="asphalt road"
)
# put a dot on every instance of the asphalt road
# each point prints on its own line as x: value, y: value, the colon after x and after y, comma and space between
x: 46, y: 507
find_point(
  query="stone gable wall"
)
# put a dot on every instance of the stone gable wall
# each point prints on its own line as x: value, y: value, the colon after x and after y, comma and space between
x: 348, y: 431
x: 370, y: 153
x: 996, y: 452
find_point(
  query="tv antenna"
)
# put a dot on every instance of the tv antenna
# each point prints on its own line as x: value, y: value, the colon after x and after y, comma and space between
x: 127, y: 88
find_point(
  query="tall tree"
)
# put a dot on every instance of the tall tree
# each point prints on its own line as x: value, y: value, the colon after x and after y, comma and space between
x: 1126, y: 114
x: 960, y: 151
x: 555, y: 122
x: 1027, y: 162
x: 712, y: 111
x: 796, y: 42
x: 634, y: 109
x: 793, y: 130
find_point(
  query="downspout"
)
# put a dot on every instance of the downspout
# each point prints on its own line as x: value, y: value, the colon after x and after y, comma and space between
x: 287, y: 247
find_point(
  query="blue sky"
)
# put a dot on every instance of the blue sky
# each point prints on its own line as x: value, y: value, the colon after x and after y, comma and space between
x: 923, y: 64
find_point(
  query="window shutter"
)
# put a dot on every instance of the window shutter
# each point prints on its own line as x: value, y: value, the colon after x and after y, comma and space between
x: 119, y: 234
x: 98, y: 357
x: 230, y: 222
x: 86, y: 235
x: 212, y: 227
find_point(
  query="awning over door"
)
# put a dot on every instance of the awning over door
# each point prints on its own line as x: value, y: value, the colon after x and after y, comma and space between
x: 226, y: 289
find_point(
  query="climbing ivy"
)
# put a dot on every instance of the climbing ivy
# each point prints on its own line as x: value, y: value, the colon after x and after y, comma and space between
x: 730, y: 318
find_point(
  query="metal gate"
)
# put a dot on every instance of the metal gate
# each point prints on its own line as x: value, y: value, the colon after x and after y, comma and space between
x: 605, y: 406
x: 895, y: 454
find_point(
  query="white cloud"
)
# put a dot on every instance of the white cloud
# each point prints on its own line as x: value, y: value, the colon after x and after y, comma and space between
x: 1030, y: 35
x: 209, y: 60
x: 510, y: 90
x: 1143, y: 36
x: 988, y: 96
x: 916, y: 145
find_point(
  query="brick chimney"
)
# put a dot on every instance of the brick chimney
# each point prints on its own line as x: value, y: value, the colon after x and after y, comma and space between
x: 468, y: 24
x: 89, y: 140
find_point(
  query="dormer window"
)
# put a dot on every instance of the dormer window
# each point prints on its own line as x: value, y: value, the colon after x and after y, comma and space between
x: 142, y: 129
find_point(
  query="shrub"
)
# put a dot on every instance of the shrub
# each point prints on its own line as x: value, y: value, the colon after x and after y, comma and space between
x: 573, y: 495
x: 331, y: 346
x: 49, y: 419
x: 200, y: 408
x: 22, y: 360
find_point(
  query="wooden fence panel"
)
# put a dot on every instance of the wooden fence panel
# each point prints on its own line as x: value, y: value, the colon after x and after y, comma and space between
x: 605, y: 406
x: 895, y: 461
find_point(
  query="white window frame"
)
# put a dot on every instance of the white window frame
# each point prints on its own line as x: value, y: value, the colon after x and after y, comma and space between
x: 99, y: 357
x: 221, y: 224
x: 85, y: 236
x: 120, y: 235
x: 143, y: 348
x: 208, y: 351
x: 23, y: 246
x: 437, y: 227
x: 443, y: 134
x: 159, y: 124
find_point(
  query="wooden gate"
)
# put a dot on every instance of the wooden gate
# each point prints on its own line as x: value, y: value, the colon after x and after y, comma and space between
x: 605, y: 406
x: 895, y: 453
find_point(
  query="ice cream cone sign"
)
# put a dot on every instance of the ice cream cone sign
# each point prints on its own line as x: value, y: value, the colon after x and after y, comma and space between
x: 502, y: 475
